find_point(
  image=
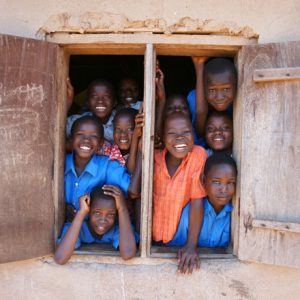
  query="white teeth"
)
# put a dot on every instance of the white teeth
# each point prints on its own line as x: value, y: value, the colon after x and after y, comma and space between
x: 218, y: 139
x: 128, y: 99
x: 85, y: 148
x: 101, y: 108
x: 180, y: 146
x: 123, y: 141
x: 101, y: 228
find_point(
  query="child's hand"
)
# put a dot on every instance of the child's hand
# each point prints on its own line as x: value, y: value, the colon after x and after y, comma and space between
x: 188, y: 259
x: 199, y: 61
x: 84, y: 204
x: 115, y: 192
x: 70, y: 93
x: 70, y: 212
x: 160, y: 93
x: 139, y: 123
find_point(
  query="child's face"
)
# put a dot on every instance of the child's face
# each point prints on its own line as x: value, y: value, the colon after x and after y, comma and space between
x: 178, y: 136
x: 177, y: 105
x: 123, y: 131
x: 86, y: 139
x: 220, y: 185
x: 101, y: 101
x: 102, y: 216
x: 128, y: 91
x: 220, y: 90
x: 219, y: 133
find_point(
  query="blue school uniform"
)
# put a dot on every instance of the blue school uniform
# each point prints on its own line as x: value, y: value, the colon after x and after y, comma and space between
x: 99, y: 170
x: 215, y: 231
x: 85, y: 236
x: 111, y: 237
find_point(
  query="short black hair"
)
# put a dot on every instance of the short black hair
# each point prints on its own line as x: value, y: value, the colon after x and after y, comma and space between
x: 98, y: 193
x: 219, y: 65
x: 180, y: 96
x: 219, y: 158
x: 102, y: 82
x: 176, y: 115
x: 125, y: 111
x: 83, y: 119
x: 217, y: 113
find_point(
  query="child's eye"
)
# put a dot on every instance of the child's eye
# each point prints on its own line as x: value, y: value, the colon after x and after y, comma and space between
x: 211, y: 91
x: 210, y: 129
x: 111, y: 215
x: 226, y: 89
x: 225, y: 128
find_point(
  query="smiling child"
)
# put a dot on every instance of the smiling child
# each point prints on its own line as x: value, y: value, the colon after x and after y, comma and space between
x: 108, y: 223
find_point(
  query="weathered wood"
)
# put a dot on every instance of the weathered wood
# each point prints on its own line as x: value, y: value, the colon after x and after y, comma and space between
x: 212, y: 45
x: 276, y: 225
x: 270, y: 146
x: 59, y: 141
x: 27, y: 120
x: 209, y: 253
x: 148, y: 140
x: 276, y: 74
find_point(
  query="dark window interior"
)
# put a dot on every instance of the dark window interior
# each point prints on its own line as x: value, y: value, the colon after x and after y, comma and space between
x: 178, y: 70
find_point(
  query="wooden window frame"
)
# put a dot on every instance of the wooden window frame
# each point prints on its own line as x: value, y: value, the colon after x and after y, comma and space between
x: 148, y: 45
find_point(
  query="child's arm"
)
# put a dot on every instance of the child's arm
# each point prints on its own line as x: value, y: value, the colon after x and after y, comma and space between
x: 201, y: 104
x: 160, y: 100
x: 70, y: 93
x: 188, y: 257
x: 68, y: 242
x: 139, y: 124
x: 127, y: 244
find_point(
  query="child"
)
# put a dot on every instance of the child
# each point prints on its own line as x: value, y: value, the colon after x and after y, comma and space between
x: 177, y: 172
x: 104, y: 207
x: 215, y: 89
x: 219, y: 132
x: 101, y: 102
x: 85, y: 170
x: 219, y: 180
x: 126, y: 136
x: 129, y: 93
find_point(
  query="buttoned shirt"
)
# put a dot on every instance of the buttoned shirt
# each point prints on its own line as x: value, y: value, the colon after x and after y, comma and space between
x: 171, y: 194
x: 215, y: 231
x: 99, y: 170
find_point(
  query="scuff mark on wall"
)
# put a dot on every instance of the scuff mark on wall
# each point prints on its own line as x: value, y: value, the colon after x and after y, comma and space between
x: 106, y: 22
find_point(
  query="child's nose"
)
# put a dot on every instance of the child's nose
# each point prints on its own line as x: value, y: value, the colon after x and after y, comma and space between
x: 220, y: 94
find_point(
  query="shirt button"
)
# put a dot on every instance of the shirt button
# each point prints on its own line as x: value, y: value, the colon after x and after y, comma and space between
x: 76, y: 184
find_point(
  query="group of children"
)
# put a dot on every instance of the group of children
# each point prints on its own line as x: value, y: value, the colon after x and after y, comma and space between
x: 192, y: 186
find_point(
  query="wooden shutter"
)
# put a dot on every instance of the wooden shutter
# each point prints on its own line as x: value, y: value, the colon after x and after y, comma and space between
x: 267, y: 116
x: 27, y: 124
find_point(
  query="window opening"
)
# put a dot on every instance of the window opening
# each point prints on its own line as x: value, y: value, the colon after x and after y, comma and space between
x: 83, y: 69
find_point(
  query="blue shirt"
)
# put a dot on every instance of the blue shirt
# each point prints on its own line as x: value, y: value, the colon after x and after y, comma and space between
x: 85, y: 236
x: 100, y: 170
x: 110, y: 237
x: 191, y: 98
x: 215, y: 231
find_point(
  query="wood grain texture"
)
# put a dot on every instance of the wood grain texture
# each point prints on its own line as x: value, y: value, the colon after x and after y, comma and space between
x: 270, y: 147
x: 148, y: 143
x: 276, y: 74
x: 27, y: 121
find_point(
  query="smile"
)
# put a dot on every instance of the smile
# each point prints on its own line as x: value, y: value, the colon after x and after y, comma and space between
x: 100, y: 108
x: 180, y: 147
x: 85, y: 148
x: 123, y: 141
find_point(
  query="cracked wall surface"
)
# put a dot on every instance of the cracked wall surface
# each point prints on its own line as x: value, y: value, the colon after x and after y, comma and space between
x: 273, y: 20
x: 106, y: 22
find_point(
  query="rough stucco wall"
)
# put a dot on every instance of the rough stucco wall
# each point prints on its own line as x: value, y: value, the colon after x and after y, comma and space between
x: 85, y: 279
x: 274, y: 20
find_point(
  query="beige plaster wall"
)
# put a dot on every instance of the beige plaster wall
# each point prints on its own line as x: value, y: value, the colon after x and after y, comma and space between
x: 88, y: 278
x: 274, y: 20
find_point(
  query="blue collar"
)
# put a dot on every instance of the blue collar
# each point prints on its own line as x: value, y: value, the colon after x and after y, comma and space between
x: 91, y: 167
x: 208, y: 209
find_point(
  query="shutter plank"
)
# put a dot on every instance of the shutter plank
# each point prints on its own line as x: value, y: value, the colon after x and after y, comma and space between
x: 269, y: 121
x: 27, y: 119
